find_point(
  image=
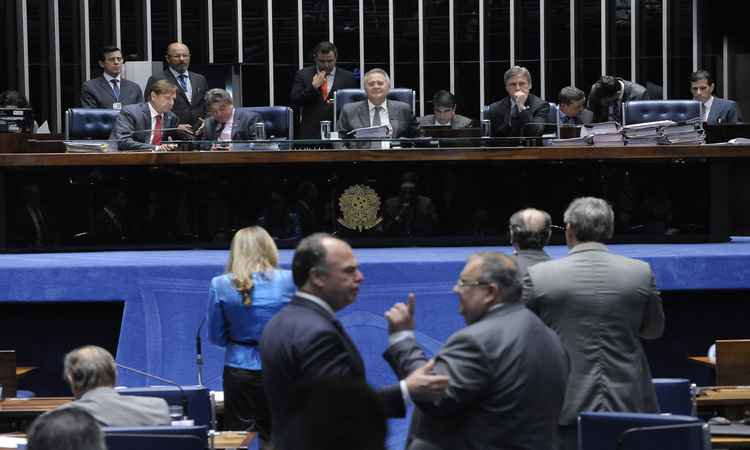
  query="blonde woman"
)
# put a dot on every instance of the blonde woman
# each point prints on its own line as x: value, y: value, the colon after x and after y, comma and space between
x: 241, y: 302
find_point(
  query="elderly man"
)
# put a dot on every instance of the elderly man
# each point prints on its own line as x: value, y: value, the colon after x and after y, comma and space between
x: 521, y: 113
x: 530, y: 230
x: 377, y: 110
x: 507, y: 369
x: 227, y: 123
x: 313, y: 88
x: 601, y: 305
x: 90, y: 372
x: 444, y: 109
x: 714, y: 110
x: 110, y: 90
x: 148, y: 126
x: 305, y: 341
x: 609, y: 93
x: 189, y: 104
x: 65, y: 429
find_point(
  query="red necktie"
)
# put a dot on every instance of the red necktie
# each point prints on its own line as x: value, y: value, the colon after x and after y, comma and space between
x: 324, y: 89
x: 157, y: 131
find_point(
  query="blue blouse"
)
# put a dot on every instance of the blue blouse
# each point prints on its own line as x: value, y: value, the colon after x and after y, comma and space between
x: 237, y: 327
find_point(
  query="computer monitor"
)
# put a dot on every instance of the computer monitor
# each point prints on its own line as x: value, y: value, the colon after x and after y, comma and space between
x: 722, y: 133
x: 16, y: 120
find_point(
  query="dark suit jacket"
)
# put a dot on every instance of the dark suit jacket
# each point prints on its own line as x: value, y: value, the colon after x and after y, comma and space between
x: 303, y: 343
x: 188, y: 112
x: 310, y: 104
x: 132, y: 125
x: 723, y: 111
x: 458, y: 121
x: 631, y: 91
x: 600, y: 304
x: 507, y: 379
x: 357, y: 115
x: 243, y: 128
x: 529, y: 257
x: 504, y: 126
x: 97, y: 93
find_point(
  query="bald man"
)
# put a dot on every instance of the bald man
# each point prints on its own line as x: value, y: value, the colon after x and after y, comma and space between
x: 530, y: 230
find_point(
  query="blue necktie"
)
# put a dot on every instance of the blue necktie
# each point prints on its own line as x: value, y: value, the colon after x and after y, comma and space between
x: 183, y: 83
x: 116, y: 88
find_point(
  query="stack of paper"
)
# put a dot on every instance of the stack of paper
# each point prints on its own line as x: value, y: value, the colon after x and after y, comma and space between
x: 606, y: 139
x: 646, y: 133
x: 90, y: 146
x: 686, y: 133
x: 571, y: 142
x: 600, y: 128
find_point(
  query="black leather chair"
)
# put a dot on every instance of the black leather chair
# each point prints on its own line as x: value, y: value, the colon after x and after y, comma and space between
x: 675, y: 395
x: 601, y: 430
x: 156, y: 438
x: 89, y: 123
x: 344, y: 96
x: 640, y: 111
x: 279, y: 121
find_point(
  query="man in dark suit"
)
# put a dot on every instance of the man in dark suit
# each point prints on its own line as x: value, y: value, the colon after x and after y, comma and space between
x: 530, y: 230
x: 189, y: 105
x: 714, y: 110
x: 609, y: 93
x: 601, y: 305
x: 148, y: 126
x: 444, y: 109
x: 110, y: 90
x: 409, y: 213
x: 571, y: 105
x: 507, y: 369
x: 520, y: 113
x: 305, y: 341
x: 313, y: 88
x: 377, y: 110
x: 227, y: 123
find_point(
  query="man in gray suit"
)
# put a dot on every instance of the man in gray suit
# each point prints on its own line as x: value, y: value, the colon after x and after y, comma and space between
x: 714, y: 110
x: 507, y: 370
x: 377, y: 110
x: 530, y: 230
x: 227, y: 123
x: 444, y: 108
x: 601, y: 305
x: 147, y: 126
x: 609, y: 93
x: 110, y: 90
x: 90, y: 372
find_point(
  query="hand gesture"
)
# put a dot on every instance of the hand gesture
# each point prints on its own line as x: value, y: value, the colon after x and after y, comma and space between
x: 401, y: 316
x: 186, y: 127
x: 165, y: 147
x: 318, y: 79
x: 423, y: 385
x: 521, y: 99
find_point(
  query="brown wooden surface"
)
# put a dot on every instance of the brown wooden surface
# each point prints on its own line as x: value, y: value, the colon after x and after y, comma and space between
x: 31, y: 405
x: 724, y: 395
x: 327, y: 156
x: 233, y: 439
x: 705, y: 360
x: 31, y: 143
x: 733, y: 362
x: 21, y: 371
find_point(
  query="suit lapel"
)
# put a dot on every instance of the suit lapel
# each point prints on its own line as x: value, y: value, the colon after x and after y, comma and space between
x: 108, y: 88
x: 714, y: 112
x: 174, y: 81
x: 364, y: 114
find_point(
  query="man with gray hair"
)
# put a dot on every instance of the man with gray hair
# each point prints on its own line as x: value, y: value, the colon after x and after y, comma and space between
x: 507, y: 370
x: 225, y: 122
x: 601, y: 305
x: 521, y: 113
x: 529, y: 230
x: 91, y: 373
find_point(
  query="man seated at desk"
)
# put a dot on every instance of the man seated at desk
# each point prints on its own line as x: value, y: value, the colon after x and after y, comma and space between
x: 521, y: 113
x: 572, y: 107
x: 444, y: 108
x: 609, y: 93
x: 714, y: 110
x: 227, y: 123
x: 377, y: 111
x: 148, y: 126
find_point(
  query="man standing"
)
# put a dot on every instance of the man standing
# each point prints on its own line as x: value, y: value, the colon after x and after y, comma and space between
x: 530, y: 230
x: 714, y: 110
x: 110, y: 90
x: 189, y: 104
x: 313, y: 88
x: 571, y: 107
x: 444, y: 108
x: 601, y: 305
x: 90, y: 372
x: 609, y: 93
x: 227, y: 123
x: 305, y: 341
x: 377, y: 110
x: 507, y: 369
x: 147, y: 126
x: 520, y: 113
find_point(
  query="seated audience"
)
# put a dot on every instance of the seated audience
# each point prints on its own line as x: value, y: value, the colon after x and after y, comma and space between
x: 530, y: 230
x: 91, y: 373
x: 571, y: 105
x: 110, y: 90
x: 609, y: 93
x: 148, y: 126
x: 227, y: 123
x: 65, y: 429
x: 714, y: 110
x: 521, y: 113
x: 444, y: 109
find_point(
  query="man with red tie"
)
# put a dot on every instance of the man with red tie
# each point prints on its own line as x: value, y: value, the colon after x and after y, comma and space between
x: 314, y: 86
x: 148, y: 126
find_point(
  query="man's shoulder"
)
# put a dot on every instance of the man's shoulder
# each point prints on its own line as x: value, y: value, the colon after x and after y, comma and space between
x: 134, y: 108
x: 724, y: 102
x: 246, y: 112
x: 93, y: 81
x: 196, y: 75
x: 128, y: 83
x: 398, y: 105
x: 429, y: 119
x: 351, y: 107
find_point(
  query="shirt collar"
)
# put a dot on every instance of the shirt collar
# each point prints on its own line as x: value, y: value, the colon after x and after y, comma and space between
x: 318, y: 301
x: 154, y: 113
x: 709, y: 102
x: 109, y: 77
x: 177, y: 74
x: 622, y: 89
x: 383, y: 105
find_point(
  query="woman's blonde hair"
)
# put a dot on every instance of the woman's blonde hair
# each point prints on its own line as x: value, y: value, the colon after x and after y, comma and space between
x: 252, y: 250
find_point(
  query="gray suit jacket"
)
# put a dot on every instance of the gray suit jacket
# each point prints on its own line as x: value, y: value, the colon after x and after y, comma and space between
x: 631, y: 91
x: 458, y: 121
x: 97, y: 93
x: 356, y: 115
x: 507, y: 378
x: 131, y: 130
x: 723, y: 111
x: 111, y: 409
x: 600, y: 304
x: 188, y: 111
x: 529, y: 257
x: 243, y: 128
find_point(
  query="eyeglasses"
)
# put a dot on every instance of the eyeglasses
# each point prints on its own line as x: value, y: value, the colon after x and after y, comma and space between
x: 463, y: 283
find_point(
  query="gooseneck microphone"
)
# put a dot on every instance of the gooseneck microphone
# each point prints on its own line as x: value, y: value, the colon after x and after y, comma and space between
x: 183, y: 397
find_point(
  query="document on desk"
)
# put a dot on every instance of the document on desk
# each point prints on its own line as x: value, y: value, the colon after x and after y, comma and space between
x: 379, y: 131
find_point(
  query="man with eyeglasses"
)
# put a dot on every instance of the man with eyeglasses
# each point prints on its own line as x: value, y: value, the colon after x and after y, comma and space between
x: 601, y: 305
x: 507, y: 369
x: 530, y: 230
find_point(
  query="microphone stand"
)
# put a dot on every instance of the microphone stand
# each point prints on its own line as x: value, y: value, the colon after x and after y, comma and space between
x: 183, y: 397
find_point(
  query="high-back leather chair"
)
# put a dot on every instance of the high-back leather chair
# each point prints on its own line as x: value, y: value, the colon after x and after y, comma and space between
x: 197, y: 399
x: 89, y: 123
x: 279, y: 121
x: 686, y: 436
x: 344, y: 96
x: 156, y: 438
x: 601, y: 430
x: 675, y: 395
x: 640, y: 111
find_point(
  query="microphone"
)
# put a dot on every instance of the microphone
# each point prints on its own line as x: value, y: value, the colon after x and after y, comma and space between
x: 183, y: 396
x: 199, y: 352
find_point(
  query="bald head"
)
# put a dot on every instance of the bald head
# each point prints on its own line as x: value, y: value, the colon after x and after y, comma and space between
x: 178, y: 56
x: 530, y: 229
